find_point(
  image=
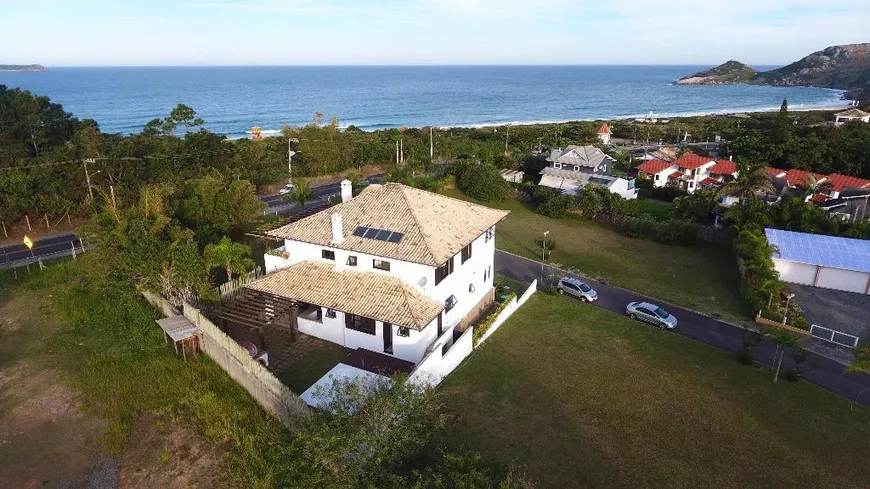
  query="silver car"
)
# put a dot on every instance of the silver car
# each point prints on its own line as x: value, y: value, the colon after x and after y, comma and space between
x: 651, y: 313
x: 286, y: 189
x: 577, y: 288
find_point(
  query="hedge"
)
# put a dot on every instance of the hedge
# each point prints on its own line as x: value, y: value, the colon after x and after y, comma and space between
x: 481, y: 327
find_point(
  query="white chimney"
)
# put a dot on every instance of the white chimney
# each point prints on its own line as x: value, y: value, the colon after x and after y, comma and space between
x: 337, y: 228
x: 731, y: 158
x: 346, y: 190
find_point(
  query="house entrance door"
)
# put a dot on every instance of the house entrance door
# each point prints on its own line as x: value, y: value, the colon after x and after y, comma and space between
x: 388, y: 338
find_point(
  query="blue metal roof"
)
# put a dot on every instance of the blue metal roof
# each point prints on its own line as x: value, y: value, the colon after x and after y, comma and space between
x: 818, y: 249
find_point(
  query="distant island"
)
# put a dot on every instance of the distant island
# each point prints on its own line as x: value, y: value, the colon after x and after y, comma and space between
x: 845, y: 67
x: 28, y: 68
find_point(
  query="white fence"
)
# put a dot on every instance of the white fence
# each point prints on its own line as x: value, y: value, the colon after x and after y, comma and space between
x: 834, y: 336
x: 438, y: 364
x: 230, y: 288
x: 505, y: 313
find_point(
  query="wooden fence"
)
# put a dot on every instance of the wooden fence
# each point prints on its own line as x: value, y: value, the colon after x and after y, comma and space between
x: 773, y: 324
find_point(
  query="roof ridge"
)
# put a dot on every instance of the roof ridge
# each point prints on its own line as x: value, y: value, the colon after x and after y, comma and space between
x: 403, y: 189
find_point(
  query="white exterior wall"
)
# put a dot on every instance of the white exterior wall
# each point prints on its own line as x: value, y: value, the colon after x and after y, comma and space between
x: 839, y: 279
x: 471, y: 272
x: 795, y: 273
x: 620, y: 186
x: 660, y: 179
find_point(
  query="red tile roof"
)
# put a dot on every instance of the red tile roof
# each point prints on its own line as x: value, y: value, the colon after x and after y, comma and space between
x: 692, y: 161
x: 708, y: 181
x: 797, y: 178
x: 676, y: 174
x: 724, y: 167
x: 604, y: 129
x: 839, y: 182
x: 773, y: 172
x: 820, y: 198
x: 654, y: 166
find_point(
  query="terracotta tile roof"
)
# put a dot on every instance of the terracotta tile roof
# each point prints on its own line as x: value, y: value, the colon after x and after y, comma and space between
x: 676, y: 174
x: 797, y: 178
x: 724, y: 167
x: 374, y: 295
x: 708, y: 181
x: 435, y: 227
x: 654, y: 166
x: 692, y: 161
x: 604, y: 129
x: 852, y: 113
x: 839, y: 182
x: 665, y: 154
x: 820, y: 198
x: 773, y: 172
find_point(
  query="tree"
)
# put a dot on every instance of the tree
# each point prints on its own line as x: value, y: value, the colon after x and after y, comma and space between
x: 483, y: 182
x: 751, y: 180
x: 214, y: 205
x: 301, y: 193
x: 695, y: 207
x: 181, y: 115
x: 783, y: 126
x: 229, y: 256
x: 784, y: 339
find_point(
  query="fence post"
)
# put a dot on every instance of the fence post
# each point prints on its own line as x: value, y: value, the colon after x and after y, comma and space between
x: 4, y: 229
x: 27, y: 218
x: 47, y: 224
x: 73, y: 243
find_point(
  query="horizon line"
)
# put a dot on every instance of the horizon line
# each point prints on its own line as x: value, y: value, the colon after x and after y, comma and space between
x: 387, y: 65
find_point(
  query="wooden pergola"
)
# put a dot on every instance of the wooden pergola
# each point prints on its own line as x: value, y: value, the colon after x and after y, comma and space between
x: 256, y: 310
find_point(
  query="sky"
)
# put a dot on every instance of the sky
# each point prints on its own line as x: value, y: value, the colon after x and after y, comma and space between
x: 395, y: 32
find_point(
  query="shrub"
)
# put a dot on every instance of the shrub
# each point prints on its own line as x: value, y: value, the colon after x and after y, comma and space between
x: 482, y: 182
x: 791, y: 375
x: 667, y: 193
x: 540, y: 193
x: 481, y: 327
x: 557, y: 207
x: 745, y: 356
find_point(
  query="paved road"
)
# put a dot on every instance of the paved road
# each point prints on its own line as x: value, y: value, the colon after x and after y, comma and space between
x: 818, y: 369
x: 56, y: 245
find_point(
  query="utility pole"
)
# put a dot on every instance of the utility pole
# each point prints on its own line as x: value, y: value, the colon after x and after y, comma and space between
x: 397, y: 151
x: 402, y: 150
x: 506, y: 137
x: 431, y: 145
x: 290, y: 154
x: 88, y: 176
x: 112, y: 190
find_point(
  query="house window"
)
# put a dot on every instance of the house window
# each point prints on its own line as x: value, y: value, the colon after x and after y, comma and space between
x: 440, y: 325
x: 657, y: 177
x: 404, y: 332
x: 466, y: 253
x: 330, y: 313
x: 360, y: 323
x: 490, y: 233
x: 604, y: 168
x: 576, y: 168
x: 328, y: 255
x: 351, y: 261
x: 443, y: 271
x: 471, y: 287
x: 485, y: 274
x: 557, y: 166
x: 450, y: 303
x: 381, y: 265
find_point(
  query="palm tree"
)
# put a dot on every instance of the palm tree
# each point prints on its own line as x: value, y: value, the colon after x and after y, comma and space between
x: 229, y: 256
x: 301, y: 193
x: 812, y: 186
x: 751, y: 179
x: 748, y: 214
x: 784, y: 339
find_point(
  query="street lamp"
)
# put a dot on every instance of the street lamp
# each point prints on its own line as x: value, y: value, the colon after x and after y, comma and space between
x: 543, y: 254
x: 788, y: 299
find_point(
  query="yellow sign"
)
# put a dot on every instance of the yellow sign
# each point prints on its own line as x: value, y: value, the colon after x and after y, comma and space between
x: 28, y: 243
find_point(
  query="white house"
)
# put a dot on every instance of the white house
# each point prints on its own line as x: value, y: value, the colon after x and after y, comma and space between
x: 685, y: 173
x: 575, y: 167
x: 604, y: 133
x: 390, y: 270
x: 851, y: 115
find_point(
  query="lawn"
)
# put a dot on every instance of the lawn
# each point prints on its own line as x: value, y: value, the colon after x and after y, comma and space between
x: 702, y: 277
x: 658, y: 209
x: 586, y: 398
x: 308, y: 370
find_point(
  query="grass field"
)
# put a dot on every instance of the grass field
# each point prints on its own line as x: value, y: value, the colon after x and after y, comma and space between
x: 304, y: 373
x: 586, y: 398
x: 702, y: 277
x: 658, y: 209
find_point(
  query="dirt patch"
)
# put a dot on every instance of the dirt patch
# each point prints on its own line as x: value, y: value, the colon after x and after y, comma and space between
x: 165, y: 453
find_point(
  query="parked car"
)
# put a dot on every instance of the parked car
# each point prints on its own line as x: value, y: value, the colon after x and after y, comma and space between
x: 577, y: 288
x: 651, y: 313
x: 286, y: 189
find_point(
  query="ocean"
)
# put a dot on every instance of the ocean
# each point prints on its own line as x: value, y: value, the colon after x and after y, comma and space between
x: 234, y: 99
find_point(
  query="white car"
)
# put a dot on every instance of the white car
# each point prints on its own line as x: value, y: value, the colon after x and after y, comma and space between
x: 286, y: 189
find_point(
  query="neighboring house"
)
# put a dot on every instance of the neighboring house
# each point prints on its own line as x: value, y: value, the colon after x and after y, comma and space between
x: 604, y: 133
x: 574, y: 167
x: 722, y: 172
x: 390, y: 270
x: 685, y: 173
x: 513, y: 176
x: 851, y: 115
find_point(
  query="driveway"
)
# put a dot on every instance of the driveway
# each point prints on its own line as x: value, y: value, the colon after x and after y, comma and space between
x: 823, y: 371
x: 835, y: 309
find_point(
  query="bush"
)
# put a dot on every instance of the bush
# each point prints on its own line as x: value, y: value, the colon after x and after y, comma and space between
x: 791, y: 375
x: 482, y: 182
x: 557, y: 207
x: 481, y: 327
x: 745, y: 356
x: 672, y: 232
x: 667, y: 193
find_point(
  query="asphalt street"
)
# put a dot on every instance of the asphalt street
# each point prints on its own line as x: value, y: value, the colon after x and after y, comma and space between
x: 43, y: 247
x: 818, y: 369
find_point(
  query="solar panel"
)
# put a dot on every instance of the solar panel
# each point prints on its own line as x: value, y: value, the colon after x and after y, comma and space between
x: 378, y: 234
x: 371, y: 233
x: 396, y: 237
x: 360, y: 231
x: 382, y: 235
x: 817, y: 249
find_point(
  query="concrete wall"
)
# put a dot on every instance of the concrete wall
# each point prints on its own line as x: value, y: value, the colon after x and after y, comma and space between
x: 437, y: 365
x: 505, y: 313
x: 839, y: 279
x: 795, y: 273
